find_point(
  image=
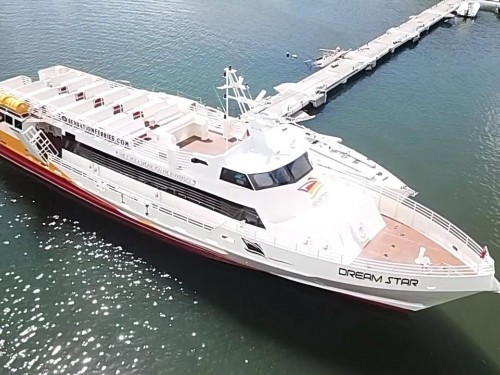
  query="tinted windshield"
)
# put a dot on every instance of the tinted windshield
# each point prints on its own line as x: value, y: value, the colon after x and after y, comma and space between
x: 235, y: 178
x: 262, y: 180
x: 288, y: 174
x: 300, y: 167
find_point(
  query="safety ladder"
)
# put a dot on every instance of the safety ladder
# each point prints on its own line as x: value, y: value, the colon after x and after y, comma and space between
x: 40, y: 142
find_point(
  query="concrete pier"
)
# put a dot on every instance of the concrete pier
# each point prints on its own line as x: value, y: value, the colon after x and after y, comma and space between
x: 293, y: 97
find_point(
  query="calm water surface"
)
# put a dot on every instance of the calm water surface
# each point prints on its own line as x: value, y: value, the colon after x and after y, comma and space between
x: 82, y: 293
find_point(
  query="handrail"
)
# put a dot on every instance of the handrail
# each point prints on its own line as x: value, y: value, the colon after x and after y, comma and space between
x: 406, y: 269
x: 147, y: 148
x: 309, y: 249
x: 481, y: 267
x: 156, y: 205
x: 419, y: 208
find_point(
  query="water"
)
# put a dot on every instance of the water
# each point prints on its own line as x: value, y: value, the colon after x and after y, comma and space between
x: 80, y: 292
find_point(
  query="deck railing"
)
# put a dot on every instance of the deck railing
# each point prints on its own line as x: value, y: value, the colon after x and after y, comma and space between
x: 308, y: 247
x: 416, y: 209
x: 468, y: 250
x: 149, y: 148
x: 149, y: 205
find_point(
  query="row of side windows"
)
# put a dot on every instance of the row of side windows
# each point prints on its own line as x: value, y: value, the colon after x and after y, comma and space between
x: 205, y: 199
x: 288, y: 174
x: 236, y: 178
x: 11, y: 121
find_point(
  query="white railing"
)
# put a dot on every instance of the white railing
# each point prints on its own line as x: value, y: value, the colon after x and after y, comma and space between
x: 310, y: 248
x: 318, y: 251
x: 39, y: 140
x: 148, y: 148
x: 210, y: 113
x: 474, y: 266
x: 216, y: 119
x: 128, y: 194
x: 417, y: 208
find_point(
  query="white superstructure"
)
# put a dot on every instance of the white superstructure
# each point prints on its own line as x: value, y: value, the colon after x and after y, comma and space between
x: 251, y: 191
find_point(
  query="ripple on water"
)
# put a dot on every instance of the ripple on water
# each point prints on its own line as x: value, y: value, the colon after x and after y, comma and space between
x: 75, y: 312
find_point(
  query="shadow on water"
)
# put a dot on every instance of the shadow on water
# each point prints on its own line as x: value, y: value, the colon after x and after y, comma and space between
x: 340, y: 333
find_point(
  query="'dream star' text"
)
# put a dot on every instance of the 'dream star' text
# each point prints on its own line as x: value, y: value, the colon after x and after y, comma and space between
x: 377, y: 278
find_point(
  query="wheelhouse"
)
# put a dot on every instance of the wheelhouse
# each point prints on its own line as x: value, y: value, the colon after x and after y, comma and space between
x: 288, y: 174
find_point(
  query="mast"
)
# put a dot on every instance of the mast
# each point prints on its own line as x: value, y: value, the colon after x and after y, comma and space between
x: 227, y: 74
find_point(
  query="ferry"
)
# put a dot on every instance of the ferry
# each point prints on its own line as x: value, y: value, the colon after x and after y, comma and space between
x: 239, y: 190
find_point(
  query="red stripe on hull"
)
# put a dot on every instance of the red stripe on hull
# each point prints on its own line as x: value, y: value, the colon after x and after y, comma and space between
x: 81, y: 194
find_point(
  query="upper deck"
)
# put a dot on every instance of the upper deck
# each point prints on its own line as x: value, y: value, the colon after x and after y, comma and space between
x: 119, y: 113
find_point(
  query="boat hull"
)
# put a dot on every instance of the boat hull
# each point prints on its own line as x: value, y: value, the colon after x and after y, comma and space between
x: 327, y: 275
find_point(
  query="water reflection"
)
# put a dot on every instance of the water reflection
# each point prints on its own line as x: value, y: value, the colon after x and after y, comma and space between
x: 106, y: 298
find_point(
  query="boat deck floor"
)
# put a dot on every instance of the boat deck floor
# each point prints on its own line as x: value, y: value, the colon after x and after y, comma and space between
x: 401, y: 244
x: 216, y: 145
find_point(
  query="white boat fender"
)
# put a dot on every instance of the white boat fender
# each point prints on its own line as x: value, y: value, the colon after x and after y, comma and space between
x: 362, y: 233
x: 422, y: 259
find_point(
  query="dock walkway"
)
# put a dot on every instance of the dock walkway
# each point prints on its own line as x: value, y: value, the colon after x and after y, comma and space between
x: 293, y: 97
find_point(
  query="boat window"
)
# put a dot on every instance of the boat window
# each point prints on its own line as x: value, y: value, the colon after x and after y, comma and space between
x: 184, y: 191
x: 117, y: 109
x: 18, y: 124
x: 9, y: 120
x: 281, y: 176
x: 288, y: 174
x: 262, y: 180
x: 300, y: 167
x: 197, y: 161
x: 236, y: 178
x: 249, y: 217
x: 98, y: 102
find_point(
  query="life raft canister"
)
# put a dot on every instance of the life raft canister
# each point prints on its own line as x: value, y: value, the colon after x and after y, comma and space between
x: 13, y: 105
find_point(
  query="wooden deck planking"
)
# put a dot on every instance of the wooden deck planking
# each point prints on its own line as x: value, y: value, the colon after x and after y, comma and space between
x: 401, y: 244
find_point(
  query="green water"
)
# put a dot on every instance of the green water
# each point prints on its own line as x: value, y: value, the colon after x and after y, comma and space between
x: 82, y: 293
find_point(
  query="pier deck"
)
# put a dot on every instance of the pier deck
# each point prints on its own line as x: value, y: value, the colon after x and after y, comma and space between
x: 293, y: 97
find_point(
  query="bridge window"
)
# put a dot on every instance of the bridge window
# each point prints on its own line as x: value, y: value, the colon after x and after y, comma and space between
x: 300, y: 167
x: 80, y: 96
x: 262, y: 180
x: 288, y: 174
x: 282, y: 176
x: 236, y: 178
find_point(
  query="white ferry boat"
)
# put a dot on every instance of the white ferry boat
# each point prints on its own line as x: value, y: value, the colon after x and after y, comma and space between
x: 240, y: 191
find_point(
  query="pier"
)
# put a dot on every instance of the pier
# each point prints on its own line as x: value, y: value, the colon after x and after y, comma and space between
x: 292, y: 98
